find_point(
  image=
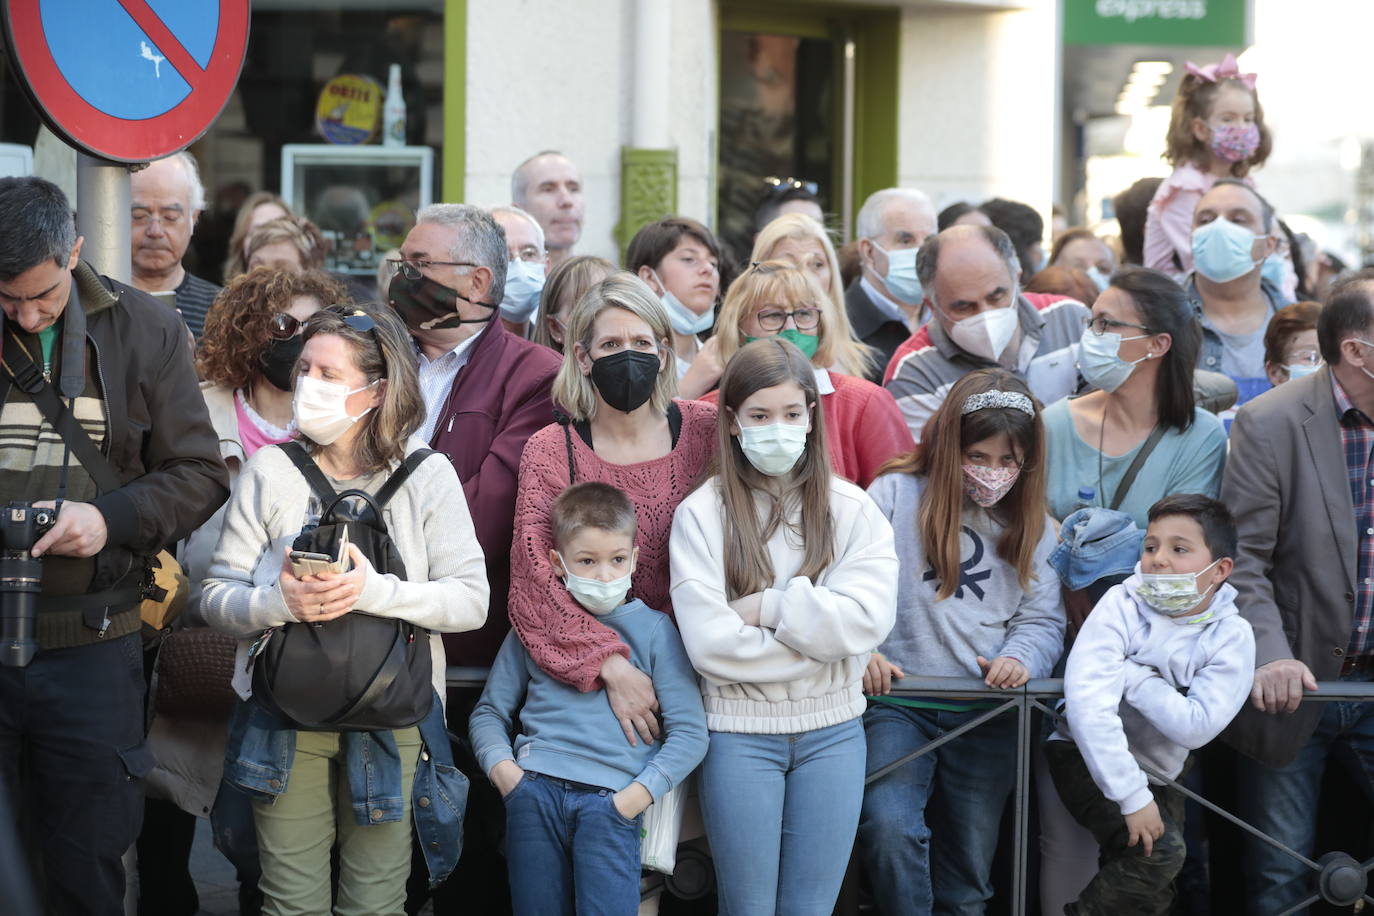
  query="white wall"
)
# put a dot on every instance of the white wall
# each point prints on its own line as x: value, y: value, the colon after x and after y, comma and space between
x: 543, y: 75
x: 978, y: 104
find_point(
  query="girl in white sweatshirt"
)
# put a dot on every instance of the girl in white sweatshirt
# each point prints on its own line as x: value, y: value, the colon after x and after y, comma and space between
x: 783, y: 580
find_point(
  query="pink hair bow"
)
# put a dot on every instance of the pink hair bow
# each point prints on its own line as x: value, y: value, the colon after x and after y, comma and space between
x: 1228, y: 69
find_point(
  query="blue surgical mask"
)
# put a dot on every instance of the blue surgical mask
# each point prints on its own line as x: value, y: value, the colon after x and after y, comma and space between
x: 684, y: 320
x: 1100, y: 280
x: 901, y: 280
x: 1223, y: 250
x: 1272, y: 270
x: 1301, y: 370
x: 524, y: 283
x: 1100, y: 363
x: 593, y: 594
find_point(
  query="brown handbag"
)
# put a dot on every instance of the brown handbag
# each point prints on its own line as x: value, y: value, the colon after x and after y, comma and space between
x: 194, y: 669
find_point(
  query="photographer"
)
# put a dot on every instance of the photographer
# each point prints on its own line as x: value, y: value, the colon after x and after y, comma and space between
x: 120, y: 365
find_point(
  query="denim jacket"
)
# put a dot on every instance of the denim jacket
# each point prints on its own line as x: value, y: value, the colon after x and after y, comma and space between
x: 260, y: 753
x: 1209, y: 354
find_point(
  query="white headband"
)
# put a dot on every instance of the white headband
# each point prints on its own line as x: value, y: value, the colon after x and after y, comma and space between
x: 996, y: 398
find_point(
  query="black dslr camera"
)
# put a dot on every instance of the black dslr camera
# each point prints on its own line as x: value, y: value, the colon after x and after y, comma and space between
x: 21, y: 526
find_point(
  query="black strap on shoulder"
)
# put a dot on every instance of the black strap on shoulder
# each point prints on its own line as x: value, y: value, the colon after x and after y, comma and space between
x: 310, y: 470
x: 401, y: 474
x: 572, y: 465
x: 1136, y: 464
x: 20, y: 367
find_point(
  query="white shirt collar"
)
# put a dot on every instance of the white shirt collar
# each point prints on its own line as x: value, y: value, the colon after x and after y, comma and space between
x: 887, y: 305
x: 459, y: 353
x: 823, y: 383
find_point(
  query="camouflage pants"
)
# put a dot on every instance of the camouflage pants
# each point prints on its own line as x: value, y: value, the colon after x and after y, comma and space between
x: 1127, y: 880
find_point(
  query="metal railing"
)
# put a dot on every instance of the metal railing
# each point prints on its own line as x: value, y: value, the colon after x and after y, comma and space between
x: 1341, y: 879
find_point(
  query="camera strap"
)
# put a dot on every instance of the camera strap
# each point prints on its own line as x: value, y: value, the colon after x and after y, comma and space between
x: 19, y: 365
x: 21, y: 368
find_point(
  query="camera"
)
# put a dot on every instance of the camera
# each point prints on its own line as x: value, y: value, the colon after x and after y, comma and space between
x: 21, y: 525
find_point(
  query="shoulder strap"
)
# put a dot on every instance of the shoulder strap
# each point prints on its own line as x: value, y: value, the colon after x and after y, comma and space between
x: 19, y: 365
x: 572, y: 465
x: 401, y: 474
x: 1136, y: 464
x: 310, y: 470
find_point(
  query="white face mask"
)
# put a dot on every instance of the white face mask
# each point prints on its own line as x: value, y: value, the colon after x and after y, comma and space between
x: 773, y: 449
x: 596, y: 596
x: 986, y: 334
x: 321, y: 408
x: 1174, y: 594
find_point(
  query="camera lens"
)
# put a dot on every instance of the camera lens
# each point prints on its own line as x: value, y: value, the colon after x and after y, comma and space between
x: 20, y: 581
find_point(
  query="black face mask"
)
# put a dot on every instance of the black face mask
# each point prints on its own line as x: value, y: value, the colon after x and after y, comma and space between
x: 427, y: 305
x: 626, y: 379
x: 280, y: 358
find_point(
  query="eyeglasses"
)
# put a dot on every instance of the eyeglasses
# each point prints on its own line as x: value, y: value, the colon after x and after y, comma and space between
x: 142, y: 216
x: 529, y: 254
x: 283, y: 326
x: 783, y: 185
x: 411, y: 268
x: 772, y: 318
x: 1104, y: 325
x: 1304, y: 358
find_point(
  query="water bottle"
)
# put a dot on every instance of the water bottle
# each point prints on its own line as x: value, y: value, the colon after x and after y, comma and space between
x: 394, y: 111
x: 1087, y: 498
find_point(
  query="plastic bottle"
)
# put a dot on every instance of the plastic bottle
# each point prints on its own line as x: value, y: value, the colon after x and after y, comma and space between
x: 394, y: 110
x: 1087, y: 498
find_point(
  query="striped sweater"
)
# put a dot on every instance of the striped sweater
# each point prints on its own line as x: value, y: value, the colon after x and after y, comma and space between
x: 925, y: 367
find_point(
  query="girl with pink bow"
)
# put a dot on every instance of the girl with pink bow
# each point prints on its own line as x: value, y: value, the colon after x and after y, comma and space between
x: 1217, y: 130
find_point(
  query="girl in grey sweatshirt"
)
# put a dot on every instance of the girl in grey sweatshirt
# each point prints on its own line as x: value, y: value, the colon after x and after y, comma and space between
x: 976, y: 597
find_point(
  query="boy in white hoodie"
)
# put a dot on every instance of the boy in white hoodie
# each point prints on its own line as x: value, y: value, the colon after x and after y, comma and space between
x: 1162, y: 665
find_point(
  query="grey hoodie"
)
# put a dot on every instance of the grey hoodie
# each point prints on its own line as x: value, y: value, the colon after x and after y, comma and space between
x: 989, y: 613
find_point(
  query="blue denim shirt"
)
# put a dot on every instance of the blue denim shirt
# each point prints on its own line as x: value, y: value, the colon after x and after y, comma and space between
x: 1209, y: 354
x: 262, y: 747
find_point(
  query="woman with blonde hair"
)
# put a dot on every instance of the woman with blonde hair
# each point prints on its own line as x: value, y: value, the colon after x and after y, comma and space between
x: 775, y: 299
x: 565, y: 286
x: 259, y: 208
x: 976, y: 597
x: 798, y: 238
x: 286, y: 243
x: 623, y: 427
x: 784, y: 579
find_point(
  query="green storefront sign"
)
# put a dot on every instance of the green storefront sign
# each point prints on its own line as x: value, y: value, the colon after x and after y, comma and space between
x: 1212, y: 23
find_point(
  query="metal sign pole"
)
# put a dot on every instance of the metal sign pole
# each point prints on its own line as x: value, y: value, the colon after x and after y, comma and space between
x: 102, y: 215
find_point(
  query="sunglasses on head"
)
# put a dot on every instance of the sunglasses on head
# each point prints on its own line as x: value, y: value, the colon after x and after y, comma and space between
x: 783, y: 185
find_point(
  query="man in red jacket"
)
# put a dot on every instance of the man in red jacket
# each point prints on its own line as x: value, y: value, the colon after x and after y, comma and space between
x: 486, y: 391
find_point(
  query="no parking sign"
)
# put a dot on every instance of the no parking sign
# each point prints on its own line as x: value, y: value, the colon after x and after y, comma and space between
x: 128, y: 80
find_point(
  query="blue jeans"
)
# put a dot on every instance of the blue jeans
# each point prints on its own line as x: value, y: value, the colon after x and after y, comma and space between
x: 956, y: 793
x: 780, y: 813
x: 569, y: 850
x: 1282, y: 802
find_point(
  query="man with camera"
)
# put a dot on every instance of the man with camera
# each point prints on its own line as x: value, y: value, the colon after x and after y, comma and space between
x: 107, y: 363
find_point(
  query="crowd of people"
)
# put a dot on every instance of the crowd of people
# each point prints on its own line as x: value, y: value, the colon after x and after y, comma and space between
x: 699, y: 515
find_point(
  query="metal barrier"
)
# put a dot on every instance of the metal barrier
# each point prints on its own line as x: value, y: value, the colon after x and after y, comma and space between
x: 1341, y: 879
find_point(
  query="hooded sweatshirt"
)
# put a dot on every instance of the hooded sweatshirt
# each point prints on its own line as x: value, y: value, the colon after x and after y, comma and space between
x: 1145, y: 688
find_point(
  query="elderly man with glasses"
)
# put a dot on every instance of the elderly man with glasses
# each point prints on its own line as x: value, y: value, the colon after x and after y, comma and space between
x: 486, y: 391
x: 166, y: 200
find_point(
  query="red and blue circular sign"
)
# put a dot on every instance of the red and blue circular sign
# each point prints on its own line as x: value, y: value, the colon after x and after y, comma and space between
x: 128, y: 80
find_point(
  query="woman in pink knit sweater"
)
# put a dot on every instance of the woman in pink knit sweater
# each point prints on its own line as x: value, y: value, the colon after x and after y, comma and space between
x: 617, y: 385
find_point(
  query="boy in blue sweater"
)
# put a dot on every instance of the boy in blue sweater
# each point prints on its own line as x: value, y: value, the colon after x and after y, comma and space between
x: 575, y: 789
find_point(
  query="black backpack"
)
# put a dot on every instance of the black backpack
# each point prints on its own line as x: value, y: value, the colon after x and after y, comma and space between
x: 356, y: 672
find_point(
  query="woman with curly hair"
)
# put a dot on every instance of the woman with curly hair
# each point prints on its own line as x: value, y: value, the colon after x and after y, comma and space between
x: 247, y: 357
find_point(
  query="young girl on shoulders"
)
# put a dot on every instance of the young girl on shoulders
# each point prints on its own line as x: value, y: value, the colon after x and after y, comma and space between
x: 1217, y: 130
